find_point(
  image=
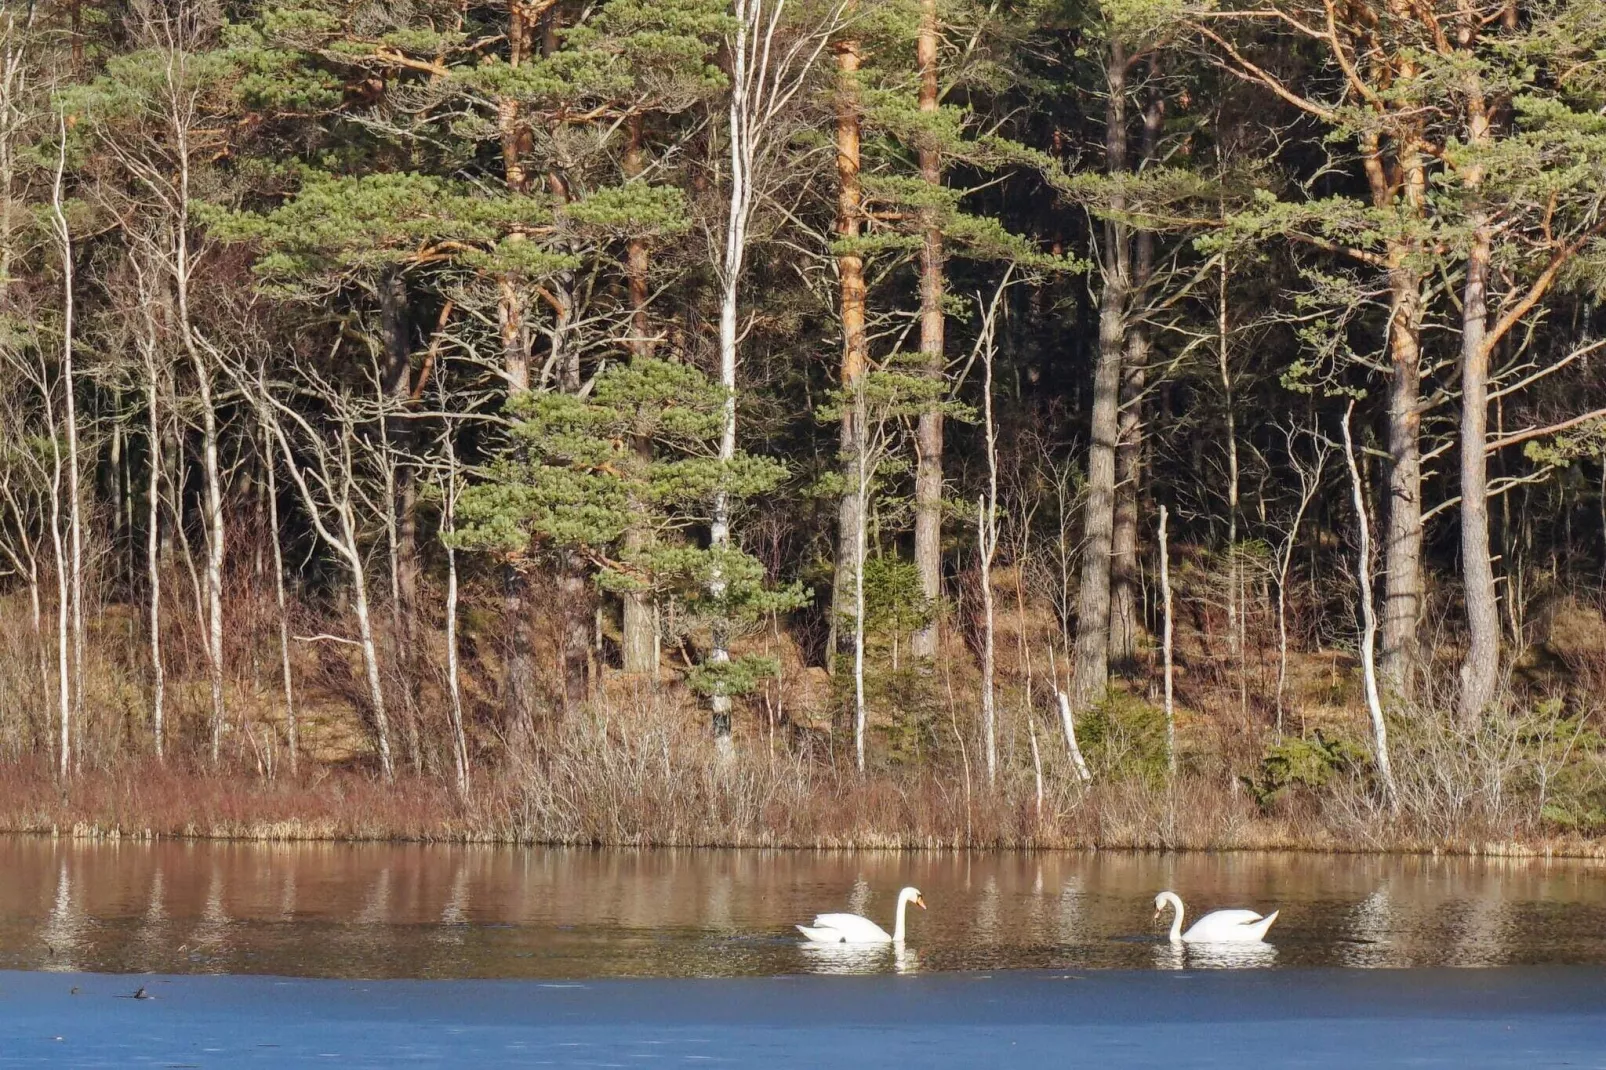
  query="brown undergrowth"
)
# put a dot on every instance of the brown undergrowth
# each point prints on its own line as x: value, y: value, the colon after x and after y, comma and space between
x: 1259, y: 767
x: 597, y: 781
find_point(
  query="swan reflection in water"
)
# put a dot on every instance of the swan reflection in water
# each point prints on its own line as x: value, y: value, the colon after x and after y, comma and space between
x: 1227, y: 956
x: 858, y: 958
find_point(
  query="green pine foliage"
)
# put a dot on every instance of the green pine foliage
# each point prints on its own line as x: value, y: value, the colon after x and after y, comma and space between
x: 637, y: 455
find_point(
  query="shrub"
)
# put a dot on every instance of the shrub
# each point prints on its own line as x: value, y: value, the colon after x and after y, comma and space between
x: 1122, y: 737
x: 1308, y: 763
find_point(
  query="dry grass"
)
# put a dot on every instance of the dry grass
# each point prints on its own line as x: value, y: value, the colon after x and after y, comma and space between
x: 647, y: 777
x: 637, y: 768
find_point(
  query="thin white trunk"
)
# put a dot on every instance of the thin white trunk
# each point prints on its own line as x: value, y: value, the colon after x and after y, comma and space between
x: 1037, y: 763
x: 454, y: 690
x: 69, y: 391
x: 63, y: 600
x: 1069, y: 726
x: 740, y: 208
x: 336, y: 489
x: 1310, y: 485
x: 988, y: 713
x: 291, y: 728
x: 153, y: 511
x: 214, y: 546
x: 1165, y: 647
x: 768, y: 71
x: 1374, y: 704
x: 370, y: 655
x: 859, y: 540
x: 987, y: 537
x: 365, y: 624
x: 182, y: 268
x: 1224, y: 369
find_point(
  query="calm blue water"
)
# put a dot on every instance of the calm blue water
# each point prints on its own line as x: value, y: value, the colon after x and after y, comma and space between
x: 1466, y: 1019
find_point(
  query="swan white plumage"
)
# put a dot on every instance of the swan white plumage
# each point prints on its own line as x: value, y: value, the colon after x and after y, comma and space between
x: 1217, y: 927
x: 853, y: 929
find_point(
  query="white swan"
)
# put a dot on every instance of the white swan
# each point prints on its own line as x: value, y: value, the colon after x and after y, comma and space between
x: 852, y: 929
x: 1217, y: 927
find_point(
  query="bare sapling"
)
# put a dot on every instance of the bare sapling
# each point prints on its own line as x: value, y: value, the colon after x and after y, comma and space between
x: 325, y: 479
x: 69, y: 564
x: 1374, y: 704
x: 1037, y: 763
x: 1309, y: 475
x: 270, y: 465
x: 1166, y: 648
x: 986, y: 540
x: 987, y: 532
x: 148, y: 344
x: 862, y: 492
x: 450, y: 480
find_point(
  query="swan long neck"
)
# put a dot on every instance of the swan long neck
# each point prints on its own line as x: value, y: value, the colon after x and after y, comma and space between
x: 1176, y: 920
x: 897, y: 928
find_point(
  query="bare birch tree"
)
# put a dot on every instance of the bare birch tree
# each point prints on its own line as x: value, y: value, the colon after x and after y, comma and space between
x: 1363, y: 575
x: 771, y: 61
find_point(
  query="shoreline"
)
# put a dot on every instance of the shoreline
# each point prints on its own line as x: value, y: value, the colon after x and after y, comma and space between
x: 755, y: 807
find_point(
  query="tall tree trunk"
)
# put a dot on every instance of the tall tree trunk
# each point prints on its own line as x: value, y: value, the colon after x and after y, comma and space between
x: 1402, y: 553
x: 1235, y: 608
x: 929, y: 433
x: 69, y: 390
x: 214, y: 543
x: 397, y: 385
x: 742, y: 134
x: 855, y: 345
x: 576, y: 597
x: 1126, y: 617
x: 639, y: 622
x: 1098, y: 516
x: 1480, y: 670
x: 1401, y: 185
x: 519, y: 684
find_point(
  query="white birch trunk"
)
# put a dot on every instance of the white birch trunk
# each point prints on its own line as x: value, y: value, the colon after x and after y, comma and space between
x: 291, y: 727
x: 1166, y: 649
x: 862, y: 478
x: 332, y: 502
x: 1374, y: 704
x: 988, y: 713
x: 987, y: 536
x: 454, y: 690
x: 767, y: 73
x: 153, y: 512
x: 1069, y: 727
x: 69, y: 381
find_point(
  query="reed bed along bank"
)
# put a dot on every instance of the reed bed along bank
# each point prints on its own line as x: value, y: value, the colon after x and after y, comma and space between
x: 591, y: 784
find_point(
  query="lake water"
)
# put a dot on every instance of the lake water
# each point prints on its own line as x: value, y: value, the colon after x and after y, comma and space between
x: 320, y: 954
x: 384, y: 911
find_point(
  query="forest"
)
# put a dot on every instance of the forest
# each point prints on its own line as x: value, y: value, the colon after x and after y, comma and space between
x: 1153, y: 423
